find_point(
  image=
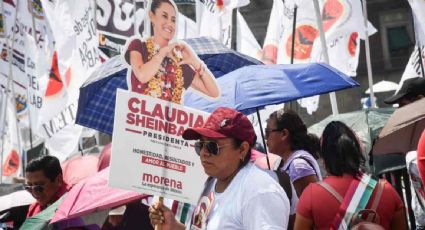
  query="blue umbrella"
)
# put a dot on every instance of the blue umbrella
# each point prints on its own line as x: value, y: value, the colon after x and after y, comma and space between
x: 219, y: 59
x: 96, y: 104
x: 253, y: 87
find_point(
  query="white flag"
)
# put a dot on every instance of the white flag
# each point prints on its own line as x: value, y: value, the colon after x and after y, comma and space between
x: 277, y: 48
x: 281, y: 16
x: 11, y: 166
x: 76, y: 57
x: 246, y: 42
x: 418, y: 9
x: 186, y: 28
x: 344, y: 27
x: 215, y: 22
x: 413, y: 67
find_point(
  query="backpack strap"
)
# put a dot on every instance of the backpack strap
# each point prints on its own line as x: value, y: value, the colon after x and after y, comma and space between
x: 285, y: 182
x: 306, y: 160
x: 332, y: 191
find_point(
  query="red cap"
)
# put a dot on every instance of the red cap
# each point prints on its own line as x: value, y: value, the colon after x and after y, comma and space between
x: 224, y: 122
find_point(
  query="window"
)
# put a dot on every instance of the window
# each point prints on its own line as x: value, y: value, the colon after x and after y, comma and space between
x: 396, y: 36
x: 399, y: 42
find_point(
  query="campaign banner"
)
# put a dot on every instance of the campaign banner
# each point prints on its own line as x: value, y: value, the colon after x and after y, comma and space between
x: 149, y: 154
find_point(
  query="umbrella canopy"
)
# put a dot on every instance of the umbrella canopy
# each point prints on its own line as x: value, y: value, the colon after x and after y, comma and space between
x: 15, y: 199
x: 256, y: 86
x: 93, y: 195
x: 96, y: 104
x: 105, y: 157
x: 383, y: 86
x: 78, y: 168
x: 402, y: 131
x: 365, y: 123
x: 219, y: 59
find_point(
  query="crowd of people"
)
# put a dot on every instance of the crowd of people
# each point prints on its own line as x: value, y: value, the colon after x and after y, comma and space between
x: 243, y: 193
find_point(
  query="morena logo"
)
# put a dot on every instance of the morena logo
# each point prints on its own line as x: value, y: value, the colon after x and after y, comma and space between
x: 149, y: 178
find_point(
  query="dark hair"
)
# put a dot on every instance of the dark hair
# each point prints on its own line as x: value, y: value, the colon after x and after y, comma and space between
x: 48, y: 164
x: 341, y: 150
x: 247, y: 158
x: 156, y: 3
x: 299, y: 139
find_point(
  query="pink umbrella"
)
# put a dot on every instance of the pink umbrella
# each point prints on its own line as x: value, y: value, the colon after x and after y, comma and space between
x: 78, y: 168
x: 91, y: 195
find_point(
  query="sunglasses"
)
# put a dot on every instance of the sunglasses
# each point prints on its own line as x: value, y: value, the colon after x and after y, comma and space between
x: 212, y: 147
x: 268, y: 131
x: 36, y: 188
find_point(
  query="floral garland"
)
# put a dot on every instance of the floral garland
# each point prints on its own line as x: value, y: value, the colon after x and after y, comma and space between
x: 158, y: 85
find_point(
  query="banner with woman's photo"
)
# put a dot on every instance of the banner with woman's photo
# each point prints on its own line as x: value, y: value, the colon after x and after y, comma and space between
x: 148, y: 149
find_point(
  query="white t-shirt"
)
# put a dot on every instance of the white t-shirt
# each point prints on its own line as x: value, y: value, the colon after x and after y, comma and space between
x: 253, y: 200
x: 417, y: 188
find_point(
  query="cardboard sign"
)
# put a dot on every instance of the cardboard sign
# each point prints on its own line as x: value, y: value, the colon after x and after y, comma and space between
x: 149, y: 154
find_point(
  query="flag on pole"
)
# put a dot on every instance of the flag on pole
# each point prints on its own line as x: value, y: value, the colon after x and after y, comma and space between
x: 246, y: 42
x: 216, y: 18
x: 11, y: 165
x: 280, y: 20
x: 413, y: 67
x: 418, y: 9
x: 342, y: 31
x: 29, y: 23
x: 76, y: 57
x: 342, y: 22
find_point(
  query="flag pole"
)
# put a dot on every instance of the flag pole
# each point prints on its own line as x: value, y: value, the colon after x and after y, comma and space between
x: 198, y: 16
x: 332, y: 95
x: 146, y: 22
x: 294, y: 25
x: 135, y: 18
x: 5, y: 104
x: 421, y: 62
x: 10, y: 80
x: 3, y: 117
x: 368, y: 61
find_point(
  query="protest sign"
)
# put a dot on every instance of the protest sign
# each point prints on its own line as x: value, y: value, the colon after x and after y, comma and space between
x: 149, y: 154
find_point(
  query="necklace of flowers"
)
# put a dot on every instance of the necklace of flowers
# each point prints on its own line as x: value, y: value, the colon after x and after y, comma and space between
x: 156, y: 84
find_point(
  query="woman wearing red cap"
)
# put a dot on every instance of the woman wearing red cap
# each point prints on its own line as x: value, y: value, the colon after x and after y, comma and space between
x: 237, y: 195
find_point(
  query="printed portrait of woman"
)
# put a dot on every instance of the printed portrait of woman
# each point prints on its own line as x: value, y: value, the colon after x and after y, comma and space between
x: 163, y: 67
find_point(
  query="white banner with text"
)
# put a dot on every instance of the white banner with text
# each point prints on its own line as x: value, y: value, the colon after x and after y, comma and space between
x: 149, y: 154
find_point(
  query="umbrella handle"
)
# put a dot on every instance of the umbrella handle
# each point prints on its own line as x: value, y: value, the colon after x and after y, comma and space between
x: 161, y: 202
